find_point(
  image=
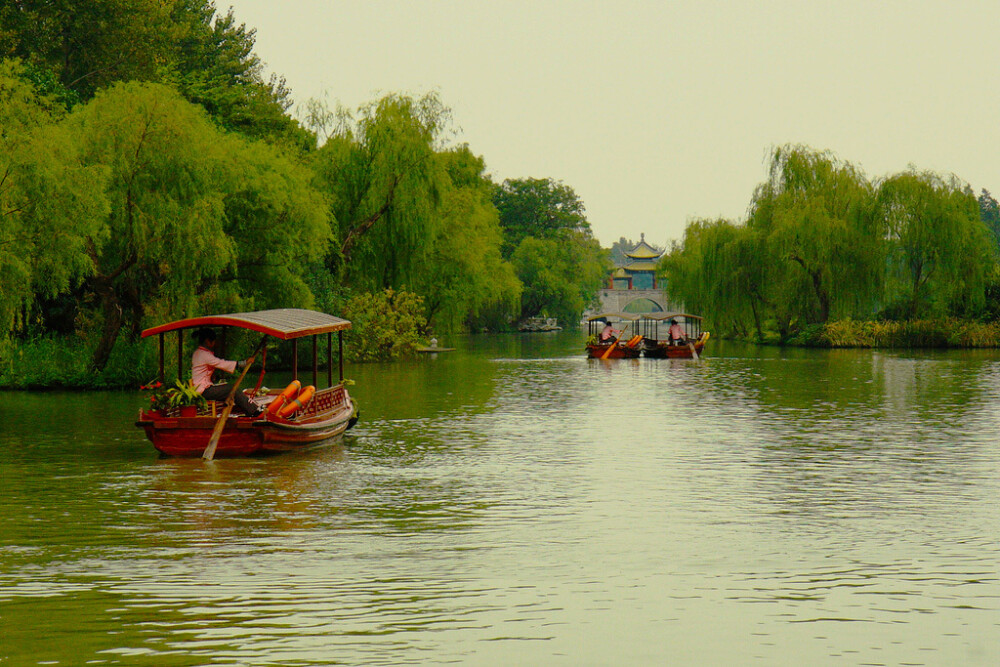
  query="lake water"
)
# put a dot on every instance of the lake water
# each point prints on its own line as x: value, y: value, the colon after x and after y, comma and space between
x: 515, y: 503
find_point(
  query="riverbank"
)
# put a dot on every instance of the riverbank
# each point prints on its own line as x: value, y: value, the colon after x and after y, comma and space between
x: 941, y: 333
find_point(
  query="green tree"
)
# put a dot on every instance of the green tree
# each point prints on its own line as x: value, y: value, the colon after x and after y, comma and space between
x: 464, y: 279
x: 989, y: 213
x: 165, y: 234
x: 939, y: 250
x: 814, y: 213
x: 279, y: 223
x: 539, y: 208
x: 619, y: 249
x: 89, y: 45
x: 561, y: 276
x: 214, y: 64
x: 43, y: 185
x: 384, y: 182
x: 717, y: 269
x: 386, y: 325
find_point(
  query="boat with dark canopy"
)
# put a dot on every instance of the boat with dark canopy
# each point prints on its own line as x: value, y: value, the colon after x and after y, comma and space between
x: 321, y: 419
x: 656, y: 347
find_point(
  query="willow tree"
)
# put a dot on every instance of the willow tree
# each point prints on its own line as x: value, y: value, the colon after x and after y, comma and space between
x: 465, y: 279
x: 813, y: 217
x: 717, y: 269
x: 380, y: 171
x: 279, y: 225
x: 939, y: 248
x: 164, y: 235
x: 50, y: 203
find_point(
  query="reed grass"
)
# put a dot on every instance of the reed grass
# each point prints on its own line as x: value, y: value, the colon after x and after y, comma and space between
x: 938, y: 333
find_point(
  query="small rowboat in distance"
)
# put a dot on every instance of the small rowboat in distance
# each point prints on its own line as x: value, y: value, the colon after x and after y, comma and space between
x: 628, y: 347
x: 322, y: 420
x: 661, y: 348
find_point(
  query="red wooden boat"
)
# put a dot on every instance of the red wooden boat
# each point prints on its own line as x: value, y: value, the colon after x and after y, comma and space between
x: 622, y: 347
x: 321, y: 421
x: 661, y: 348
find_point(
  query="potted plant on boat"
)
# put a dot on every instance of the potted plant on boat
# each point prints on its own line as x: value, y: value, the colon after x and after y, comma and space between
x: 159, y: 400
x: 185, y: 398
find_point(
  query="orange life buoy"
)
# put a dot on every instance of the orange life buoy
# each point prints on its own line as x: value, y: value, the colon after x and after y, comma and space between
x: 287, y: 395
x: 298, y: 402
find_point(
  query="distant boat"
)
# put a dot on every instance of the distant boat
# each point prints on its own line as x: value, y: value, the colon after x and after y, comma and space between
x: 691, y: 345
x: 618, y: 347
x: 321, y: 419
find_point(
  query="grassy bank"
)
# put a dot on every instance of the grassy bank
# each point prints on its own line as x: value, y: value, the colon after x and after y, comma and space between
x: 53, y: 362
x: 939, y: 333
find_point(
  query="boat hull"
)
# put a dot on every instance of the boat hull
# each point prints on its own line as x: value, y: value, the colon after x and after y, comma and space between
x: 597, y: 351
x: 334, y: 412
x: 662, y: 350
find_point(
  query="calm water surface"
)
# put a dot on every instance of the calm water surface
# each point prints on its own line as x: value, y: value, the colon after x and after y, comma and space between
x: 515, y: 503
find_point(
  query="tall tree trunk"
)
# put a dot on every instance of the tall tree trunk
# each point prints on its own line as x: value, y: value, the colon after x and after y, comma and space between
x: 821, y: 294
x: 112, y: 326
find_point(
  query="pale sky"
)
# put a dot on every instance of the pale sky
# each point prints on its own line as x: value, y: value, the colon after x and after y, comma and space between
x: 657, y: 113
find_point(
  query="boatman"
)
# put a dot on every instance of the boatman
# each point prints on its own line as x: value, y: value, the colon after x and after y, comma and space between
x: 204, y: 363
x: 608, y: 332
x: 676, y: 334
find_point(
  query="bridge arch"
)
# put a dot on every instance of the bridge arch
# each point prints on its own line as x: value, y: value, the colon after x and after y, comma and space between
x: 643, y: 304
x: 634, y: 301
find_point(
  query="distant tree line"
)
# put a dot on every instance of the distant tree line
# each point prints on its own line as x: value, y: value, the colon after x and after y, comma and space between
x: 823, y: 243
x: 149, y: 171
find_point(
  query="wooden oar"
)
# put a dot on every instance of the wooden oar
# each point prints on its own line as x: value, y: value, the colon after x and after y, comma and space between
x: 213, y: 442
x: 691, y: 345
x: 612, y: 346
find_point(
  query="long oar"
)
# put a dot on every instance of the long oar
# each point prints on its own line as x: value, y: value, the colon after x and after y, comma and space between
x: 213, y: 442
x: 612, y: 346
x: 691, y: 345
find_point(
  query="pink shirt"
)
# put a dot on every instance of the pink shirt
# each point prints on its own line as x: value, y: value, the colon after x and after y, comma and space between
x: 675, y: 332
x: 203, y: 362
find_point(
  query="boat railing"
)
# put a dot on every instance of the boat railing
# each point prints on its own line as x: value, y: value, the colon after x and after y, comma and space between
x: 326, y: 400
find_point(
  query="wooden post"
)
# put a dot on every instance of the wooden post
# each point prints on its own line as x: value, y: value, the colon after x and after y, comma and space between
x: 340, y: 343
x: 315, y: 361
x: 180, y: 353
x: 295, y: 358
x: 161, y: 357
x: 329, y: 358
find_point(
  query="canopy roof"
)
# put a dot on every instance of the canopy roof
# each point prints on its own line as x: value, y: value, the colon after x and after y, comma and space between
x: 659, y: 317
x: 283, y: 323
x: 631, y: 317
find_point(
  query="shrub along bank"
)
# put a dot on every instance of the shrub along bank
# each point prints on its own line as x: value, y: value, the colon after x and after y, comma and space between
x: 931, y: 333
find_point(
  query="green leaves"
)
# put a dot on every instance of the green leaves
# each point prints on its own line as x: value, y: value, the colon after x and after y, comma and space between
x: 823, y: 243
x: 50, y: 202
x: 541, y: 208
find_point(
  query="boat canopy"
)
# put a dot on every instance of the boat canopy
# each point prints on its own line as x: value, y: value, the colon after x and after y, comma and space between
x: 660, y: 317
x: 631, y: 317
x: 283, y: 323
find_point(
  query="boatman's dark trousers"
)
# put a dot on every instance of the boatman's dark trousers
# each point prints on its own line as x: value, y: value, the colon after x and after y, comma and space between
x: 219, y: 392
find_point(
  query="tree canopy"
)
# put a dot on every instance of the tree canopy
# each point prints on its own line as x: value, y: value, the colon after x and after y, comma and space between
x: 822, y: 242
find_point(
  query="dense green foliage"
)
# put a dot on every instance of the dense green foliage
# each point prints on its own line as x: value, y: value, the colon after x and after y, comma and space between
x: 149, y: 172
x: 387, y: 325
x: 548, y: 239
x: 822, y: 244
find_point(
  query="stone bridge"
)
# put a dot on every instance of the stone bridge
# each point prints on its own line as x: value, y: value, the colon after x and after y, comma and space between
x: 617, y: 300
